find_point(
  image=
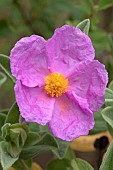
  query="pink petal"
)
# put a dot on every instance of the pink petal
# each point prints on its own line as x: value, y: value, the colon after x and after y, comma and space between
x: 89, y: 81
x: 34, y: 104
x: 68, y: 47
x: 28, y: 61
x: 69, y: 119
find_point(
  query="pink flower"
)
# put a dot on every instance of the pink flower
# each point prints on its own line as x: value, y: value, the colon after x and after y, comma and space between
x: 59, y: 82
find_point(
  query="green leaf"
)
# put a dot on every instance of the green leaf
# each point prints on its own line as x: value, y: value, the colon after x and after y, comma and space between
x: 79, y: 164
x: 108, y: 102
x: 2, y: 120
x: 18, y: 164
x: 110, y: 129
x: 100, y: 123
x: 5, y: 65
x: 104, y: 4
x: 33, y: 138
x: 84, y: 26
x: 18, y: 136
x: 47, y: 142
x: 44, y: 129
x: 18, y: 125
x: 62, y: 148
x: 3, y: 78
x: 110, y: 86
x: 32, y: 151
x: 5, y: 131
x: 107, y: 163
x: 70, y: 154
x: 15, y: 135
x: 6, y: 160
x: 1, y: 167
x: 65, y: 164
x: 13, y: 114
x: 4, y: 111
x: 17, y: 139
x: 107, y: 114
x: 34, y: 127
x: 13, y: 150
x: 57, y: 164
x: 108, y: 94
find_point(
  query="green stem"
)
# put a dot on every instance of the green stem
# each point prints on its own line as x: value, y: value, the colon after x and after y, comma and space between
x: 23, y: 164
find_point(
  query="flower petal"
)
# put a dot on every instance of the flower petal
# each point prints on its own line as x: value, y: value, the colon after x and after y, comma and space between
x: 34, y: 104
x: 89, y: 81
x: 28, y: 62
x: 68, y: 47
x: 69, y: 120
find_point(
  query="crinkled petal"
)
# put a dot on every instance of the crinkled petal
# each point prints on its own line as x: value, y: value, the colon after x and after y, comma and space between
x: 34, y: 104
x: 89, y: 81
x: 82, y: 102
x: 67, y: 47
x: 28, y: 61
x: 69, y: 120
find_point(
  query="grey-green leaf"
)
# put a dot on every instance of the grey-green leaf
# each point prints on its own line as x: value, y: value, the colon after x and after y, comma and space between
x: 4, y: 111
x: 108, y: 102
x: 110, y: 129
x: 3, y: 78
x: 84, y: 26
x: 57, y: 164
x: 107, y: 114
x: 5, y: 65
x: 100, y: 123
x: 47, y: 142
x: 111, y: 85
x: 70, y: 154
x: 62, y: 148
x: 2, y: 120
x: 13, y: 114
x: 15, y: 135
x: 79, y: 164
x: 107, y: 163
x: 6, y: 160
x: 108, y: 94
x: 65, y: 164
x: 33, y: 138
x: 18, y: 164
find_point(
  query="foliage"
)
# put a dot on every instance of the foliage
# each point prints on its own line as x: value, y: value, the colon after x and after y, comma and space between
x: 74, y: 164
x: 20, y: 142
x: 108, y: 159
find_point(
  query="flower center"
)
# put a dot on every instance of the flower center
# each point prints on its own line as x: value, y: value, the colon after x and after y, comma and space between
x: 56, y: 84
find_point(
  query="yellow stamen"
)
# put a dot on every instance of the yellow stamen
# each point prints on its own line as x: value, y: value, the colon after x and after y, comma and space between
x: 56, y: 84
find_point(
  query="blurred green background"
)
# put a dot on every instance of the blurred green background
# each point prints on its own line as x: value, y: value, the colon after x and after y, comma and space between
x: 19, y: 18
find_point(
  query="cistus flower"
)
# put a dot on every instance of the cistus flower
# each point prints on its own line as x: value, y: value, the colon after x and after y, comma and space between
x: 58, y: 81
